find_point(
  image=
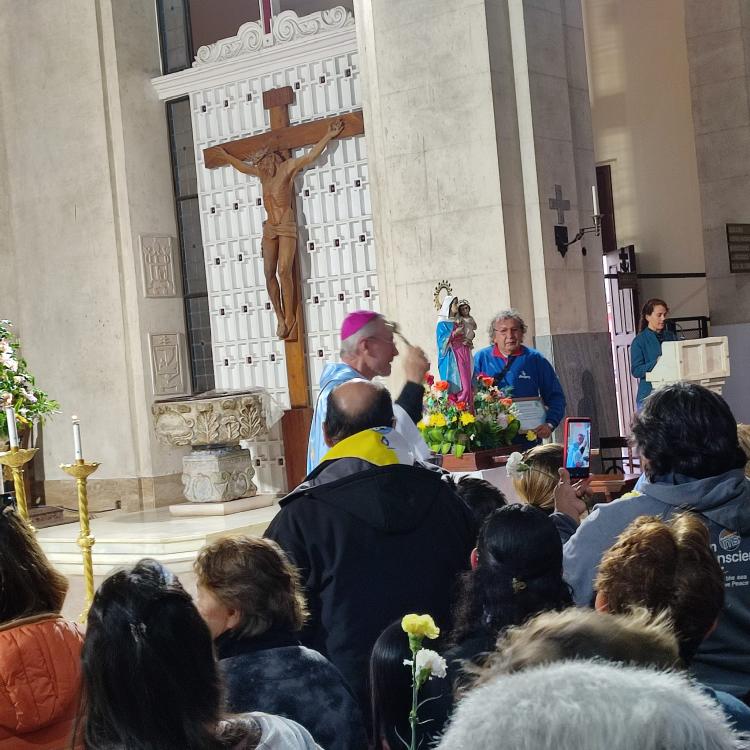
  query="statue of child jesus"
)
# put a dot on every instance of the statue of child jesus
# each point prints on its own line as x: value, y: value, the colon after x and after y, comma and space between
x: 466, y: 322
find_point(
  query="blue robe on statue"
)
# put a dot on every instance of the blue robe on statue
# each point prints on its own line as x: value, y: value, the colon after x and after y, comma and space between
x: 447, y: 365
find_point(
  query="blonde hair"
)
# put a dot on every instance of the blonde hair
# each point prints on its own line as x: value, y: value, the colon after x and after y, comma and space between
x: 536, y: 487
x: 638, y: 638
x: 743, y: 435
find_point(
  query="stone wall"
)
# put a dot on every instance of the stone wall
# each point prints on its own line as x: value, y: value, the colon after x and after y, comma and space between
x: 87, y: 172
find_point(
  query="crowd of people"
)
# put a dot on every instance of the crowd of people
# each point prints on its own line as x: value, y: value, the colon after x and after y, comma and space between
x: 621, y: 626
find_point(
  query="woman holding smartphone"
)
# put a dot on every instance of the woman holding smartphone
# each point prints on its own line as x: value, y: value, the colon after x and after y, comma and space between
x: 646, y: 347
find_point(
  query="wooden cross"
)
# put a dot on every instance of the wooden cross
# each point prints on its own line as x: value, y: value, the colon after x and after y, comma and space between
x: 559, y: 205
x: 280, y: 140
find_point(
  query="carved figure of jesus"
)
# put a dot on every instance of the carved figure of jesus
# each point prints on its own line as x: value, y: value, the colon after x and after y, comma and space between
x: 279, y: 244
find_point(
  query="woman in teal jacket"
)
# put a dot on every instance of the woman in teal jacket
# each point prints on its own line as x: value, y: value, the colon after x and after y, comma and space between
x: 646, y: 347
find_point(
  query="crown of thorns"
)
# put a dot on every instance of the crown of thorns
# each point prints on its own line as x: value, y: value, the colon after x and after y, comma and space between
x: 258, y: 156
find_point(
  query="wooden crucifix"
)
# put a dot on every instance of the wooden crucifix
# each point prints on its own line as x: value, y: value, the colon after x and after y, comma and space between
x: 267, y: 156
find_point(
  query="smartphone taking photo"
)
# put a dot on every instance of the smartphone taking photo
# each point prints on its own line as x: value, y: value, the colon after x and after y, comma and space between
x: 577, y: 443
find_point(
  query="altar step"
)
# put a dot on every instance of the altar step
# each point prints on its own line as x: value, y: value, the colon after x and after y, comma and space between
x: 122, y: 538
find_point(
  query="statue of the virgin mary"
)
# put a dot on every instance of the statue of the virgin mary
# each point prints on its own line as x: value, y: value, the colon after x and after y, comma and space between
x: 455, y: 362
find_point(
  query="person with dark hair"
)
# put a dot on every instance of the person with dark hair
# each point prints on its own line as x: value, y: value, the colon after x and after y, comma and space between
x: 669, y: 568
x: 516, y: 572
x: 251, y: 599
x: 150, y: 677
x: 687, y: 439
x: 374, y: 536
x: 646, y: 347
x: 480, y: 497
x: 391, y: 693
x: 40, y: 672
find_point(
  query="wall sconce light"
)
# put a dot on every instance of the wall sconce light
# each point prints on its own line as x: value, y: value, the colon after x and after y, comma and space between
x: 561, y: 230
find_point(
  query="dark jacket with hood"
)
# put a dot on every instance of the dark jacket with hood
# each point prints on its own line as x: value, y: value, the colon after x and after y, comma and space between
x: 373, y: 543
x: 273, y: 673
x: 723, y: 660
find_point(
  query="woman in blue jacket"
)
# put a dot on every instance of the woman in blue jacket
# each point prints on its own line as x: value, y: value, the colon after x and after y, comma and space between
x: 646, y: 347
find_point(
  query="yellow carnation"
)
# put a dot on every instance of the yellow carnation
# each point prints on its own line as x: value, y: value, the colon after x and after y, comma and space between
x: 438, y: 420
x: 422, y: 425
x: 531, y: 435
x: 467, y: 418
x: 421, y: 626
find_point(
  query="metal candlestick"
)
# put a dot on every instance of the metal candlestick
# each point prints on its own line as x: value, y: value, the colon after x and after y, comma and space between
x: 17, y: 458
x: 81, y: 470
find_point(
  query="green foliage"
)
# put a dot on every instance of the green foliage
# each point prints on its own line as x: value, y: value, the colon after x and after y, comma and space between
x: 17, y: 387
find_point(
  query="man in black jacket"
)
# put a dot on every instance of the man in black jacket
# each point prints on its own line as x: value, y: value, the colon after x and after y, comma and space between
x: 374, y: 539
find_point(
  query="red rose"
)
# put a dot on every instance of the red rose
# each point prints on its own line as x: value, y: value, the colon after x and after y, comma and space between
x: 461, y: 405
x: 429, y: 379
x: 442, y: 385
x: 506, y: 401
x: 452, y: 398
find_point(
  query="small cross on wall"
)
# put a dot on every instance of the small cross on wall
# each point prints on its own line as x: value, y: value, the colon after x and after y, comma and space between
x: 558, y: 204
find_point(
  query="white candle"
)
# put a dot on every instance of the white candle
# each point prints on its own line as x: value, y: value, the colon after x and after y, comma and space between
x: 595, y: 199
x: 77, y: 439
x: 10, y: 418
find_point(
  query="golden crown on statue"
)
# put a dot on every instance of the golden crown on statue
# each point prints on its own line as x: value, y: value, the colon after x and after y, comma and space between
x: 442, y: 290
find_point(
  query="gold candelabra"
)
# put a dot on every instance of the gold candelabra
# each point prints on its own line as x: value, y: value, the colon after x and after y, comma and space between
x: 16, y: 458
x: 81, y: 470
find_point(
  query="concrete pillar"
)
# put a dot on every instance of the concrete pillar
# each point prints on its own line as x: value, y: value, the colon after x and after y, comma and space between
x: 474, y: 111
x: 718, y: 44
x: 87, y: 173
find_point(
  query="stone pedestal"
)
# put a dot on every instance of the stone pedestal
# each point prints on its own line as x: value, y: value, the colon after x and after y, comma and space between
x: 215, y: 475
x: 218, y: 470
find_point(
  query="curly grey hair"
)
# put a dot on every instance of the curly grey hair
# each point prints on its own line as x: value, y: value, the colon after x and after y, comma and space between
x: 509, y: 313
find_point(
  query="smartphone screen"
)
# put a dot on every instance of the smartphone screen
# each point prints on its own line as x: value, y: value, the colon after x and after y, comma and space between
x: 577, y: 446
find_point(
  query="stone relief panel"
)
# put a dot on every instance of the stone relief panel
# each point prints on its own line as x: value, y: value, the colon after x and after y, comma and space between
x: 287, y: 27
x: 160, y: 278
x: 222, y: 420
x: 168, y: 369
x: 218, y: 476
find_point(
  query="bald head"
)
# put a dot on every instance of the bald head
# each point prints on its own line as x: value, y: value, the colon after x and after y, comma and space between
x: 355, y: 406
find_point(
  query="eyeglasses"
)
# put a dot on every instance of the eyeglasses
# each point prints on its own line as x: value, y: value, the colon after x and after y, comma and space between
x: 507, y: 330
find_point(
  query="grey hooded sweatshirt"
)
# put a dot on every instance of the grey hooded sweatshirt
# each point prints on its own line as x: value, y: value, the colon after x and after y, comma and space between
x: 723, y: 660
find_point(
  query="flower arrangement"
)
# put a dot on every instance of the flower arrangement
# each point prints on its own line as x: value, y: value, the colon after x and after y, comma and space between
x: 425, y: 663
x: 17, y: 387
x: 448, y: 425
x: 453, y: 426
x: 496, y: 414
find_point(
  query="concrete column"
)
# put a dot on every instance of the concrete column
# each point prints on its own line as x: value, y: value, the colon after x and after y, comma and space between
x: 474, y: 111
x: 556, y: 145
x: 87, y: 172
x: 718, y: 44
